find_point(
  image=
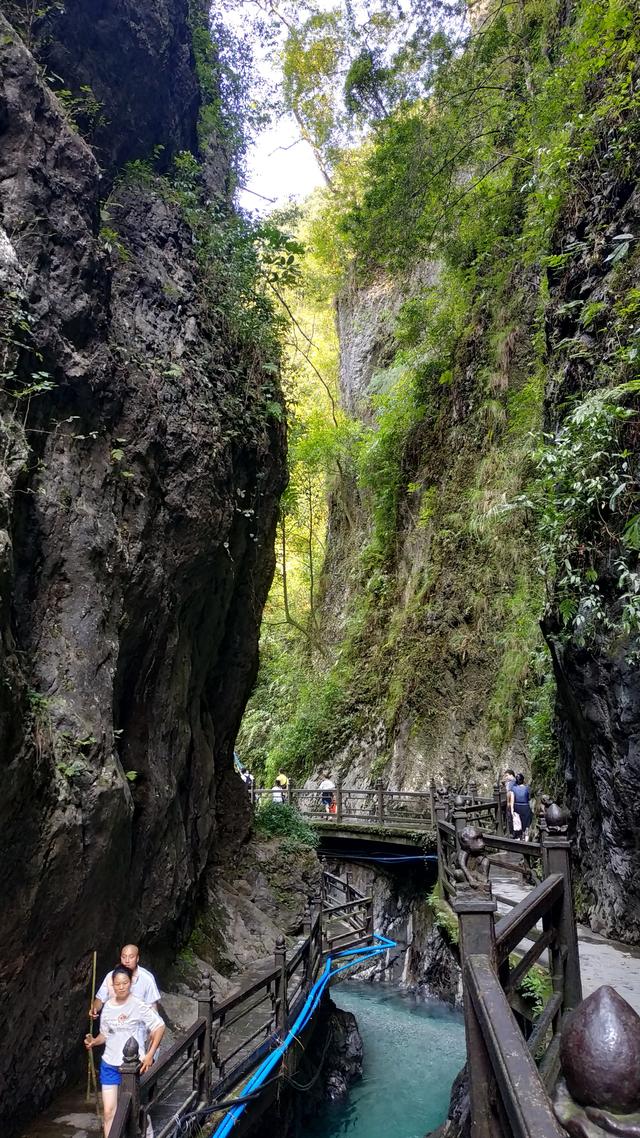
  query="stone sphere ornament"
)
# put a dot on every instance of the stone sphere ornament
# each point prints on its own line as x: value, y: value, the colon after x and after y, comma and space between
x: 600, y: 1060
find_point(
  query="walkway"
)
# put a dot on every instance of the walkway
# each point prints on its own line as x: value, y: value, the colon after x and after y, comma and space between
x: 602, y: 961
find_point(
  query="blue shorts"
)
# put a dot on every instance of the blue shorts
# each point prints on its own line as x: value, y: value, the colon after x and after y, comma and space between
x: 109, y: 1076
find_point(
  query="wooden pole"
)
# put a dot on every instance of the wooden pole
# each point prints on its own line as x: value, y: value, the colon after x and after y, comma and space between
x: 92, y: 1079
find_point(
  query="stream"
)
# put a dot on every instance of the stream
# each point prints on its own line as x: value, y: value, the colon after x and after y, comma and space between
x: 413, y: 1051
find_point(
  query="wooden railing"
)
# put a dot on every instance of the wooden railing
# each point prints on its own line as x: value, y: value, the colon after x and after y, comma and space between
x: 513, y: 1055
x: 229, y: 1038
x: 396, y: 809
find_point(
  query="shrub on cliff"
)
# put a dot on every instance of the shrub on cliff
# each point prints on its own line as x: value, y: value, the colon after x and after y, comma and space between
x: 275, y: 820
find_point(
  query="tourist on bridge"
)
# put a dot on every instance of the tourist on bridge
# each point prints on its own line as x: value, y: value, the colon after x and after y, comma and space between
x: 277, y: 793
x: 123, y: 1015
x: 518, y: 798
x: 282, y: 779
x: 143, y: 983
x: 327, y: 795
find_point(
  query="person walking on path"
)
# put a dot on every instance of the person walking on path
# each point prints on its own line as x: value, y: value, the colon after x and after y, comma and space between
x: 519, y: 796
x: 508, y: 781
x: 143, y: 983
x: 327, y: 788
x: 123, y: 1015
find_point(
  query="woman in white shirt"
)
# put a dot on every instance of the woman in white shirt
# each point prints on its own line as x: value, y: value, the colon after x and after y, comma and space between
x: 123, y: 1016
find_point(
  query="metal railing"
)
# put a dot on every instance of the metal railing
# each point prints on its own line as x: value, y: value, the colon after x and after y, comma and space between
x: 229, y: 1038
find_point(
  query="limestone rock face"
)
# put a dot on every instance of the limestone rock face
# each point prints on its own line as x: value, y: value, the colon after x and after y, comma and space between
x: 138, y: 500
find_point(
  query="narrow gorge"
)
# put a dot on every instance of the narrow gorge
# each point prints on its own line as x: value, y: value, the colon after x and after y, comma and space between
x: 327, y: 474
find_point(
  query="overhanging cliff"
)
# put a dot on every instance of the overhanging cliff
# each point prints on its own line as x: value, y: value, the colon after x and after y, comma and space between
x: 142, y: 464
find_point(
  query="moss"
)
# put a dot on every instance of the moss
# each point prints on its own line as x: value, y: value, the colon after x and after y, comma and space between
x: 444, y: 917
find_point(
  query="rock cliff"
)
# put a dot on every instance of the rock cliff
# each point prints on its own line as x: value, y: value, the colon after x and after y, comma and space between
x: 498, y: 495
x: 141, y: 469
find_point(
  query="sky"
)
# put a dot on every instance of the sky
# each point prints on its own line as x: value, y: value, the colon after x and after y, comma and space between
x: 280, y: 166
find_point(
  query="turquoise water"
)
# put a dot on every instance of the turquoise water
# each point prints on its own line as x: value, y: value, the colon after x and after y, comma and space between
x: 412, y: 1053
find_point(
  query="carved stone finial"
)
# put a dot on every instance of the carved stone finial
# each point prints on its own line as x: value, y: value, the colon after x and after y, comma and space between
x: 131, y: 1051
x: 557, y: 818
x: 473, y: 862
x: 600, y: 1059
x: 459, y: 800
x: 280, y: 943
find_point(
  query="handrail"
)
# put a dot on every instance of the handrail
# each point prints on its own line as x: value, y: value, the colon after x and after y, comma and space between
x: 513, y: 845
x: 516, y: 924
x: 167, y: 1058
x: 232, y: 1001
x: 121, y: 1117
x: 347, y: 906
x: 524, y: 1098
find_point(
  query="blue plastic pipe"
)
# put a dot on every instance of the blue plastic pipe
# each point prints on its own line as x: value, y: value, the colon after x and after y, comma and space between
x: 313, y: 999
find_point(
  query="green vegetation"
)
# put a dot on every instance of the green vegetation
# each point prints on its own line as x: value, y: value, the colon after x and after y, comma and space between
x: 444, y: 917
x: 276, y: 820
x: 461, y: 512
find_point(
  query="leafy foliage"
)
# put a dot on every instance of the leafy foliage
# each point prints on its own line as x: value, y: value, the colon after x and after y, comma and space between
x: 464, y: 150
x: 277, y: 820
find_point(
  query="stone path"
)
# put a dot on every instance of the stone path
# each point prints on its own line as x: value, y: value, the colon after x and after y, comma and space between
x: 601, y: 961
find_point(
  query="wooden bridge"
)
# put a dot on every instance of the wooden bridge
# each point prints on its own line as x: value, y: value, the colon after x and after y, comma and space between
x: 513, y: 1054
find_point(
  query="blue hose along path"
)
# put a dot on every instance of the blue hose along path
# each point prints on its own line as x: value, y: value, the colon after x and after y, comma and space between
x: 383, y: 944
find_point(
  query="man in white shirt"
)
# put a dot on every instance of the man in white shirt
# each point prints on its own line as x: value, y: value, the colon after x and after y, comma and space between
x: 143, y: 983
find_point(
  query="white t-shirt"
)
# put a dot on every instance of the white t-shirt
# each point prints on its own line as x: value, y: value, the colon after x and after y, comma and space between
x: 327, y: 784
x: 118, y: 1022
x: 143, y: 986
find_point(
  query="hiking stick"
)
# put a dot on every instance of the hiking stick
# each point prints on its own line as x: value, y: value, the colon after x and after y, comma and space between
x: 92, y: 1080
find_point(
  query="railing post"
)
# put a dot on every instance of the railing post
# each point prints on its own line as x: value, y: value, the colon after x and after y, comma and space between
x: 380, y: 795
x: 252, y: 793
x: 289, y: 789
x: 205, y: 1011
x: 473, y: 792
x: 556, y: 858
x: 498, y: 804
x: 130, y: 1071
x: 459, y: 819
x: 441, y: 811
x: 503, y: 811
x: 432, y: 794
x: 338, y: 801
x: 476, y: 922
x: 315, y: 921
x: 281, y: 985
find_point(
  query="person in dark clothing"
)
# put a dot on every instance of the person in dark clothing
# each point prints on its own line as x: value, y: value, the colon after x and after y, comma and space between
x: 518, y: 799
x: 508, y: 780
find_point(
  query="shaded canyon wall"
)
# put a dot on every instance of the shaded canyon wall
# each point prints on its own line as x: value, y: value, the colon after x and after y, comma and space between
x: 138, y: 497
